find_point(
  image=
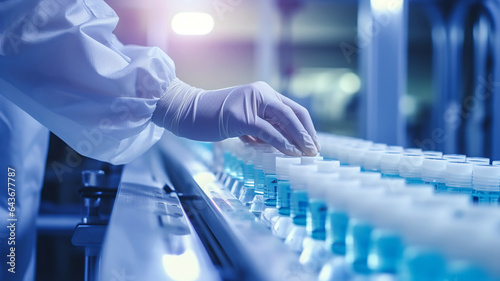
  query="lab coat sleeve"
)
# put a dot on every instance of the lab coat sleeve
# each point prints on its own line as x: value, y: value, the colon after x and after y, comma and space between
x: 61, y: 63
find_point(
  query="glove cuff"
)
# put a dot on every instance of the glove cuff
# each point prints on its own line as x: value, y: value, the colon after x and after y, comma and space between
x: 172, y: 106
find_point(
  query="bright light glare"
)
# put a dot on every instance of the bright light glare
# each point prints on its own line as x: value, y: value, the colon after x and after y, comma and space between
x: 387, y: 5
x: 349, y: 83
x: 183, y: 267
x: 192, y: 23
x: 408, y: 105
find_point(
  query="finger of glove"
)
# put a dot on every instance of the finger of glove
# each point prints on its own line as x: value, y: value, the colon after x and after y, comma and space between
x: 250, y: 139
x: 284, y: 117
x: 304, y: 117
x: 267, y: 133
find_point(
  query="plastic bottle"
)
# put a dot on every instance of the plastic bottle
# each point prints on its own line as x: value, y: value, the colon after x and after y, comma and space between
x: 347, y: 172
x: 386, y: 245
x: 460, y: 244
x: 422, y: 260
x: 486, y: 184
x: 270, y: 187
x: 247, y: 192
x: 410, y: 168
x: 359, y: 227
x: 337, y: 218
x: 285, y: 167
x: 299, y: 202
x: 315, y: 253
x: 283, y: 164
x: 371, y: 159
x: 389, y: 164
x: 433, y: 173
x: 356, y: 155
x: 458, y: 178
x: 258, y: 205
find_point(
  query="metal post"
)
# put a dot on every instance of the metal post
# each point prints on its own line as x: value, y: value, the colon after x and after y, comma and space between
x: 382, y: 40
x: 265, y: 45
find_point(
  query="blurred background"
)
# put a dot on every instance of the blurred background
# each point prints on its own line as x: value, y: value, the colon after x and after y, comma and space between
x: 419, y: 73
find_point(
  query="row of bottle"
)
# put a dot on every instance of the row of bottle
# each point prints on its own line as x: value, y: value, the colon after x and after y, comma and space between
x: 345, y: 222
x: 448, y: 173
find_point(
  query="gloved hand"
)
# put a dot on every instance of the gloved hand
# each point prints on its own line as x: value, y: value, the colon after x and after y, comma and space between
x: 254, y: 109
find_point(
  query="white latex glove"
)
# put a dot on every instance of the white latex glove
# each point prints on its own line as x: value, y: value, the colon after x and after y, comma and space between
x: 254, y: 109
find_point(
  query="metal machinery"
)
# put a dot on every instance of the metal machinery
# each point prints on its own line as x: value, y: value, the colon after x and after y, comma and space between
x: 174, y: 220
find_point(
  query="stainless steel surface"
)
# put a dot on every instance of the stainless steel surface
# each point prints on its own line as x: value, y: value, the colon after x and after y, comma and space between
x: 264, y: 254
x: 149, y: 237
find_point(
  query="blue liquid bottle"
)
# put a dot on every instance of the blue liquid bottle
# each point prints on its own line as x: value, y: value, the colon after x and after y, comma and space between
x: 258, y: 205
x: 299, y: 202
x: 458, y: 178
x: 282, y: 225
x: 433, y: 173
x: 315, y: 253
x: 247, y: 192
x: 486, y: 184
x: 270, y: 187
x: 410, y: 168
x: 462, y: 242
x: 360, y: 227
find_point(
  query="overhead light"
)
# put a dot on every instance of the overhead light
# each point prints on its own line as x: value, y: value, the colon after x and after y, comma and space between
x: 349, y: 83
x: 192, y: 23
x: 387, y: 5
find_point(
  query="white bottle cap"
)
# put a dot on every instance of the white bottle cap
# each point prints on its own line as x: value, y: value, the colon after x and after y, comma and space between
x: 283, y: 166
x: 379, y: 146
x: 393, y: 183
x: 369, y: 179
x: 486, y: 177
x: 389, y: 162
x: 361, y: 209
x: 309, y: 160
x: 455, y: 157
x: 413, y: 151
x: 247, y: 154
x: 434, y: 169
x: 269, y: 162
x: 395, y: 148
x: 413, y: 191
x: 336, y: 194
x: 432, y: 154
x: 356, y: 155
x: 318, y: 184
x: 327, y: 166
x: 478, y: 160
x: 300, y: 175
x: 422, y: 224
x: 458, y: 174
x: 410, y: 165
x: 257, y: 163
x: 449, y: 201
x: 496, y: 163
x: 389, y: 211
x: 348, y: 172
x: 371, y: 159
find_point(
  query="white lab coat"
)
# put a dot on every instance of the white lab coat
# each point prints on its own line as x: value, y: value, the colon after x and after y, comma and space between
x: 60, y: 63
